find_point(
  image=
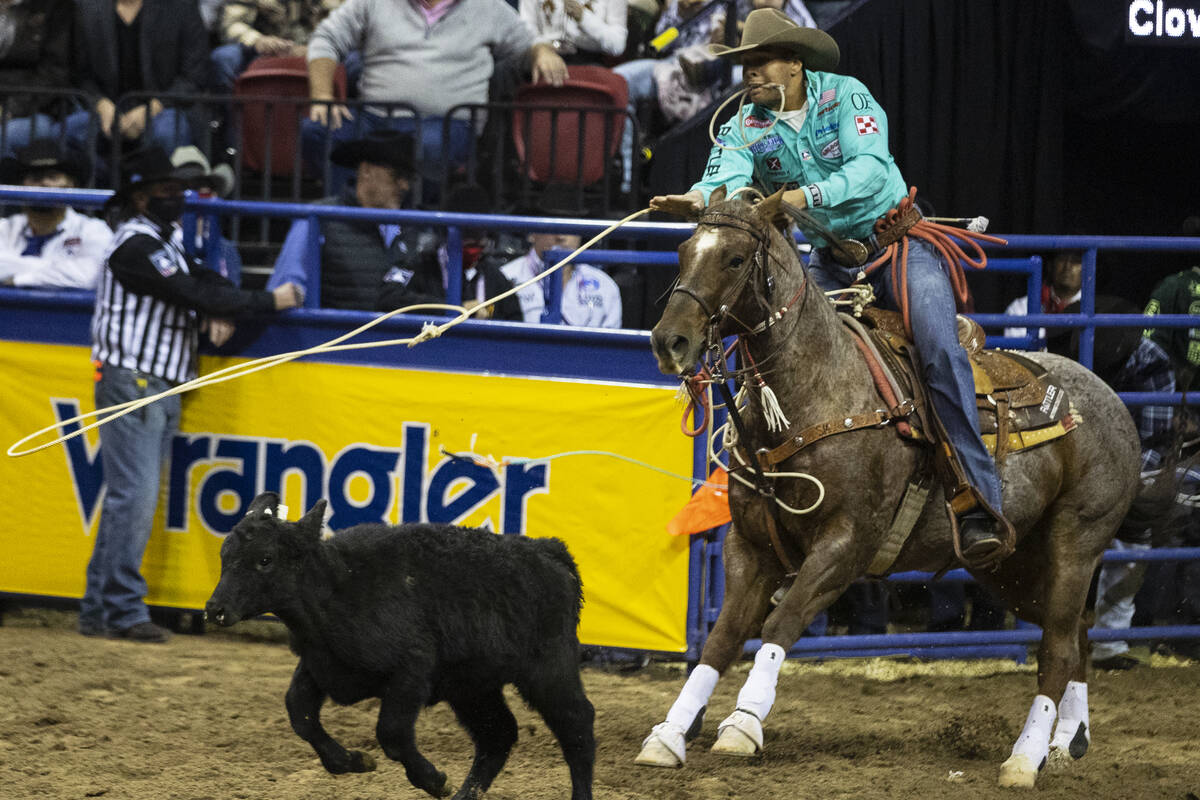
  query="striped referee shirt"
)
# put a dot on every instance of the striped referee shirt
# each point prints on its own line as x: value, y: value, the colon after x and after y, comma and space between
x: 151, y: 298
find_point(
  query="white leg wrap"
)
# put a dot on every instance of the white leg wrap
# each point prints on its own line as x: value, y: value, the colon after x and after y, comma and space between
x: 758, y: 694
x: 1073, y: 732
x: 693, y: 697
x: 1030, y: 750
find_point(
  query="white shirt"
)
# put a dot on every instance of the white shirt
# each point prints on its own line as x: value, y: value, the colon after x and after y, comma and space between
x: 601, y: 29
x: 590, y: 298
x: 71, y: 259
x: 1020, y: 307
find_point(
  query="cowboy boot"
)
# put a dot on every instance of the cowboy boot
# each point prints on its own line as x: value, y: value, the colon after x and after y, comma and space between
x: 978, y: 535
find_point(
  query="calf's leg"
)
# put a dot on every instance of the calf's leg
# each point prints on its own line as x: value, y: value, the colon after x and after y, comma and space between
x: 304, y: 699
x: 402, y: 702
x: 493, y: 729
x: 555, y: 691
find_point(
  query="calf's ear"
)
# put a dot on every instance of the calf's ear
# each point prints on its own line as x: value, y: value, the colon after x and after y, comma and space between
x: 266, y: 503
x: 314, y: 519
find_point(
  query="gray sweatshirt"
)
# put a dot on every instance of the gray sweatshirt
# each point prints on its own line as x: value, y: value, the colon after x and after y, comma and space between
x: 406, y: 60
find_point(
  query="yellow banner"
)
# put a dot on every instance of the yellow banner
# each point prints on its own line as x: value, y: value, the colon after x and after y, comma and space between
x: 374, y: 442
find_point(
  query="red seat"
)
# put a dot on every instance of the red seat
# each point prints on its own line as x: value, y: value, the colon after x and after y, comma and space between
x: 571, y: 146
x: 280, y: 78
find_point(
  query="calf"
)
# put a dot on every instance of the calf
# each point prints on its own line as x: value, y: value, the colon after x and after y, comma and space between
x: 415, y: 614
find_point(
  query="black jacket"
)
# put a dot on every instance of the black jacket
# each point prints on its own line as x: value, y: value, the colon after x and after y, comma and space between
x: 38, y: 55
x: 174, y: 50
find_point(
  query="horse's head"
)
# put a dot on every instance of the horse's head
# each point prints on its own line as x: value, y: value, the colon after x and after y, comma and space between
x: 722, y: 279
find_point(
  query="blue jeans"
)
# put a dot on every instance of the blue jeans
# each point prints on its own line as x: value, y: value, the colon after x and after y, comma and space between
x: 133, y: 450
x: 168, y: 129
x: 18, y: 132
x: 639, y: 75
x: 229, y: 61
x: 314, y: 137
x: 947, y: 370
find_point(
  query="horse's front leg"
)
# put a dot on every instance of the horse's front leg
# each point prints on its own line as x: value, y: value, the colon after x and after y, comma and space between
x: 824, y: 575
x: 751, y: 576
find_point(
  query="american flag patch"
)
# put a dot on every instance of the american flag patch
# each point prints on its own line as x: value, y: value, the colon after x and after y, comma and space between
x: 826, y: 96
x: 866, y: 125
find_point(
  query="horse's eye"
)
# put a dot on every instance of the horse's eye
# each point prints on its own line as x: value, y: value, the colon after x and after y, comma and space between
x: 265, y: 561
x: 736, y: 262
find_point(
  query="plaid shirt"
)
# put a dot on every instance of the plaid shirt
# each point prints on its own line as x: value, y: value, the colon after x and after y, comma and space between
x: 1149, y: 370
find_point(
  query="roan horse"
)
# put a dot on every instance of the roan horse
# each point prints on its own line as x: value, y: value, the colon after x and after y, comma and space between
x: 1065, y: 498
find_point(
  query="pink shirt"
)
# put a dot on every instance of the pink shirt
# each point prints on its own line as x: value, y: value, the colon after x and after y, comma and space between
x: 435, y: 12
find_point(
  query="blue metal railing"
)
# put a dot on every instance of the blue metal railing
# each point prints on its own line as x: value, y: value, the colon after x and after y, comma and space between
x: 707, y: 588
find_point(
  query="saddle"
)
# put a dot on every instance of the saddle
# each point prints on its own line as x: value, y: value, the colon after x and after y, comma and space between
x: 1020, y: 404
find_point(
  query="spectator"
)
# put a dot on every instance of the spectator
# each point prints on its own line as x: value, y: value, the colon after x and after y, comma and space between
x: 429, y: 261
x: 1178, y: 294
x: 429, y: 54
x: 1060, y: 288
x: 51, y: 247
x: 356, y: 255
x: 253, y: 28
x: 35, y: 48
x: 143, y: 354
x: 208, y: 183
x: 125, y: 46
x: 589, y: 297
x: 1129, y: 363
x: 585, y: 32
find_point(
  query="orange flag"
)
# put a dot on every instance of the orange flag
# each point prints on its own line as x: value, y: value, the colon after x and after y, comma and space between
x: 708, y: 508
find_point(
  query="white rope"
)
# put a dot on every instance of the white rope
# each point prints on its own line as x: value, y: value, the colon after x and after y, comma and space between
x: 428, y: 331
x: 712, y: 121
x: 495, y: 465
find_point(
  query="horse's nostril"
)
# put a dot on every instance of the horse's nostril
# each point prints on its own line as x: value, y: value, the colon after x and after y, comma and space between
x: 679, y: 346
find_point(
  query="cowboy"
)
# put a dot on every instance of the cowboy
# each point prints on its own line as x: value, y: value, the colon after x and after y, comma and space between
x: 138, y: 355
x: 208, y: 183
x: 50, y: 246
x: 821, y: 138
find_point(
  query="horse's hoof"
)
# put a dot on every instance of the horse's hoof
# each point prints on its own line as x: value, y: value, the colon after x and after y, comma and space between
x: 741, y: 734
x: 1068, y: 746
x: 1018, y: 772
x: 664, y: 747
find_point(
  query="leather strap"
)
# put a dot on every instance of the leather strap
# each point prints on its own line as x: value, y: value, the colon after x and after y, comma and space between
x: 895, y: 232
x: 815, y: 433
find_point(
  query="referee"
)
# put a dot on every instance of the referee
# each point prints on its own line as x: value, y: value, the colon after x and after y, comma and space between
x: 152, y: 304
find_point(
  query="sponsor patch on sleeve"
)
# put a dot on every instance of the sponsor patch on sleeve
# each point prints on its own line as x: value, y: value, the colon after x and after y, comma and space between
x: 832, y: 150
x: 814, y: 192
x: 866, y: 125
x: 164, y: 262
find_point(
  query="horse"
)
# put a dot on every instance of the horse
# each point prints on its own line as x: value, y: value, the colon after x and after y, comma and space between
x: 740, y: 275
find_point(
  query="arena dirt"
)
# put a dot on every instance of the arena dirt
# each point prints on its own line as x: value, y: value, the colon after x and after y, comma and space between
x: 202, y: 718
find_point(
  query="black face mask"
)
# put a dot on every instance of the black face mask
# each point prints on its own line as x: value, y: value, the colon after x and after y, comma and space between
x: 165, y: 209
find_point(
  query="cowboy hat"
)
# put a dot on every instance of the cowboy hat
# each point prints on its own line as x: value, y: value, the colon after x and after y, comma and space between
x: 190, y: 161
x: 39, y: 155
x: 386, y: 148
x: 146, y: 166
x: 769, y: 28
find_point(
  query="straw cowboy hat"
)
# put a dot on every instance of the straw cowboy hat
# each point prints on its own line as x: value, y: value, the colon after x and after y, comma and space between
x: 192, y: 165
x: 771, y: 29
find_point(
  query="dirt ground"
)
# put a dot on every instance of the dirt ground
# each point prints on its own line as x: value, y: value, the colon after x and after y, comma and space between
x: 202, y: 718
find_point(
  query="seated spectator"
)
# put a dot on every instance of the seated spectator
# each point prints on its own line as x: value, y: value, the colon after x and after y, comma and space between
x: 429, y: 262
x: 431, y: 55
x: 1060, y: 288
x: 35, y: 53
x: 51, y: 247
x: 190, y: 162
x: 127, y: 46
x: 1178, y: 294
x: 581, y: 32
x: 356, y: 255
x: 253, y: 28
x: 589, y: 297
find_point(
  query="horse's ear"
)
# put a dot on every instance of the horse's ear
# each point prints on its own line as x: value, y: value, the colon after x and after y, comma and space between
x: 718, y: 194
x: 771, y: 211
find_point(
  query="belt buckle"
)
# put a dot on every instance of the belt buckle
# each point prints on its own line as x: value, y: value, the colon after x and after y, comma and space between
x: 849, y: 252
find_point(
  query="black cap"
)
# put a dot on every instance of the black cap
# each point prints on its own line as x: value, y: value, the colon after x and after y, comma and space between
x: 41, y: 154
x: 386, y: 148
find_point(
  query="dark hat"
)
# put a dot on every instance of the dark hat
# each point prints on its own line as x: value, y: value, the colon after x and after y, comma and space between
x: 771, y: 29
x: 146, y: 166
x: 387, y: 148
x: 41, y: 154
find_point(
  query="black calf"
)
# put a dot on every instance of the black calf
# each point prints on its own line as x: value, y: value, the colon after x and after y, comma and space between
x: 415, y: 614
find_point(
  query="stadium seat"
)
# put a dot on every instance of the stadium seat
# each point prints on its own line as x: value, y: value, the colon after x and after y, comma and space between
x: 570, y: 146
x: 284, y: 79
